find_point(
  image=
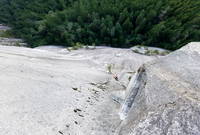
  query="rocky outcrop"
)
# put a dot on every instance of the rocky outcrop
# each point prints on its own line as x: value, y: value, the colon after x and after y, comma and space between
x: 11, y: 42
x: 169, y: 103
x: 55, y: 91
x: 4, y: 28
x: 48, y: 92
x: 150, y: 51
x: 6, y: 40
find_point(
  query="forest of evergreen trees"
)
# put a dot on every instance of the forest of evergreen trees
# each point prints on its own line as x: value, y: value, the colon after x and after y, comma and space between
x: 167, y: 24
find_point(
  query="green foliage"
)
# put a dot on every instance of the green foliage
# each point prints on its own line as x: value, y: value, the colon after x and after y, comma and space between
x: 76, y: 46
x: 6, y: 34
x: 109, y: 68
x: 168, y: 24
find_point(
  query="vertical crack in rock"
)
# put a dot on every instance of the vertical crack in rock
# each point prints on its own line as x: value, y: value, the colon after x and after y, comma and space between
x: 136, y: 84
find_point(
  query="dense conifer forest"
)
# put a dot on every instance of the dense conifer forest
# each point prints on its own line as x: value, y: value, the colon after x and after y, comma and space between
x: 167, y: 24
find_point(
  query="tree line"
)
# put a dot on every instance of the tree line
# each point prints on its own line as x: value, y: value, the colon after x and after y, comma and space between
x: 168, y: 24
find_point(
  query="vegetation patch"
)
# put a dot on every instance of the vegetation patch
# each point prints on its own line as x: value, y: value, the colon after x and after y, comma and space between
x: 150, y: 51
x: 168, y: 24
x: 6, y: 34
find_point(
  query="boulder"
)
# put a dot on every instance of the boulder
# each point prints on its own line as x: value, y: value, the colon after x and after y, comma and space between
x: 165, y: 99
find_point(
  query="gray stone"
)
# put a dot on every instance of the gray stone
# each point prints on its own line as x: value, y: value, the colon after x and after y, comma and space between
x: 9, y: 41
x: 149, y: 50
x: 4, y: 28
x: 170, y: 102
x: 40, y: 89
x: 12, y: 42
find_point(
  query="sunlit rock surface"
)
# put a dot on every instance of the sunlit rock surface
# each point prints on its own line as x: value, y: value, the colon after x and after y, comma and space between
x: 170, y: 101
x: 56, y: 91
x: 44, y: 92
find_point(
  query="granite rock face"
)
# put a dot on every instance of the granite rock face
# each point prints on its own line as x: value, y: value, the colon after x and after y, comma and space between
x: 169, y: 104
x: 48, y: 92
x: 53, y: 91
